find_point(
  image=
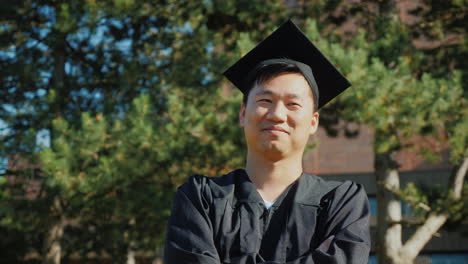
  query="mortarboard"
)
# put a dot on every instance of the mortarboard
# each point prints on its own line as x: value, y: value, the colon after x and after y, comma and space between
x: 289, y: 44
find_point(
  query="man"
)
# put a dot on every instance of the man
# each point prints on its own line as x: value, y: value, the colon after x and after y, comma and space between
x: 271, y: 211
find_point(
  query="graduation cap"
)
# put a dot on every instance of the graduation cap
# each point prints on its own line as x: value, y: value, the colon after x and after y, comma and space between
x: 288, y: 44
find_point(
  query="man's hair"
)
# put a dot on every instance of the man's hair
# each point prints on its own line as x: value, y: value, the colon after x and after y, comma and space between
x: 261, y: 75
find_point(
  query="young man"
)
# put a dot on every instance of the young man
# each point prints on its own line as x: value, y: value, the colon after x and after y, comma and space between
x: 271, y: 211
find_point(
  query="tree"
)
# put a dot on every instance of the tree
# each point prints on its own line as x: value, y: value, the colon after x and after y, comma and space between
x: 123, y: 173
x: 398, y: 106
x: 430, y: 33
x: 440, y: 33
x: 63, y: 58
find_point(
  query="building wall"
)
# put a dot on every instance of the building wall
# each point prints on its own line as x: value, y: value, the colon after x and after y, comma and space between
x: 335, y: 155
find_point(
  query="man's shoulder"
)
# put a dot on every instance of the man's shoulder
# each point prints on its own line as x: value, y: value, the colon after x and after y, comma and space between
x: 315, y: 188
x: 214, y: 187
x: 322, y: 184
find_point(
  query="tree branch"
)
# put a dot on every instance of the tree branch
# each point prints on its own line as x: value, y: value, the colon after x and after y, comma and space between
x: 435, y: 221
x: 414, y: 204
x: 410, y: 221
x: 423, y: 234
x: 460, y: 178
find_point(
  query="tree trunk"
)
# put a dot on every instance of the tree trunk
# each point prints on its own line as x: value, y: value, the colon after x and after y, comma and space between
x: 389, y: 239
x: 131, y: 256
x: 52, y: 244
x: 57, y: 82
x: 52, y: 248
x: 129, y: 242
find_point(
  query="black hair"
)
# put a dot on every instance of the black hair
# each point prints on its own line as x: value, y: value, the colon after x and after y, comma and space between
x: 263, y: 73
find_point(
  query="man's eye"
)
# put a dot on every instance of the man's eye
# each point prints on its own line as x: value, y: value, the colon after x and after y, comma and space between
x: 264, y: 100
x: 294, y: 104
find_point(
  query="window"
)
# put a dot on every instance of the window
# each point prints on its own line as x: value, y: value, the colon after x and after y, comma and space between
x: 449, y: 258
x: 373, y: 206
x: 372, y: 260
x: 406, y: 209
x: 435, y: 259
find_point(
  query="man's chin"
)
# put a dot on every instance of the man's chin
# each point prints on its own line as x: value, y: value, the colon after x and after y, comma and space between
x: 275, y: 150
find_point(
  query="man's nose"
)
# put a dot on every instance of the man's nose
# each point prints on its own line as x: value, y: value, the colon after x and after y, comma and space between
x: 277, y: 112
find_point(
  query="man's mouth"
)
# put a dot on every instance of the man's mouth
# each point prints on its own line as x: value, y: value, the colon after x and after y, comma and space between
x: 275, y: 130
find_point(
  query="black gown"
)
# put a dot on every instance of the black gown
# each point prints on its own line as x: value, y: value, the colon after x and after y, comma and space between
x: 224, y: 220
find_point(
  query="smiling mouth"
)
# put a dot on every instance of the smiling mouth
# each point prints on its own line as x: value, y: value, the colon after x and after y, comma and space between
x: 275, y: 130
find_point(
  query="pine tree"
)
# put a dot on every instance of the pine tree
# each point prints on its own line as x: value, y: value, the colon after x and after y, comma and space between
x: 398, y: 106
x: 71, y: 69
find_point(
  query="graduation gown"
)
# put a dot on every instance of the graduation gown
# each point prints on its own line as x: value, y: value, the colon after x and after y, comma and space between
x: 224, y: 220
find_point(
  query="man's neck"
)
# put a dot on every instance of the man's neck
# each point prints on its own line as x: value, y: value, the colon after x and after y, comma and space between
x: 272, y: 177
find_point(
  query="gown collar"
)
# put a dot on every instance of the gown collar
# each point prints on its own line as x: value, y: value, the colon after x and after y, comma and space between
x: 305, y: 188
x: 246, y: 190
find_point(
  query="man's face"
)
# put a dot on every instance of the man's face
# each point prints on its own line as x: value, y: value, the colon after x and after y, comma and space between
x: 279, y: 117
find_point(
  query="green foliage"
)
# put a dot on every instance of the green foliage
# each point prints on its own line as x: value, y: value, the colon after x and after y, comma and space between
x: 443, y: 23
x: 416, y: 198
x: 392, y: 101
x: 75, y: 68
x: 434, y: 199
x: 123, y: 173
x: 458, y: 138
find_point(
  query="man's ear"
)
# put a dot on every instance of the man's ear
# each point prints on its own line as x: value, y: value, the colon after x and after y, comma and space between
x: 314, y: 123
x: 242, y: 115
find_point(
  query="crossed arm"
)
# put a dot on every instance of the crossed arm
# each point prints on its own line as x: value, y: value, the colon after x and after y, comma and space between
x: 345, y: 227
